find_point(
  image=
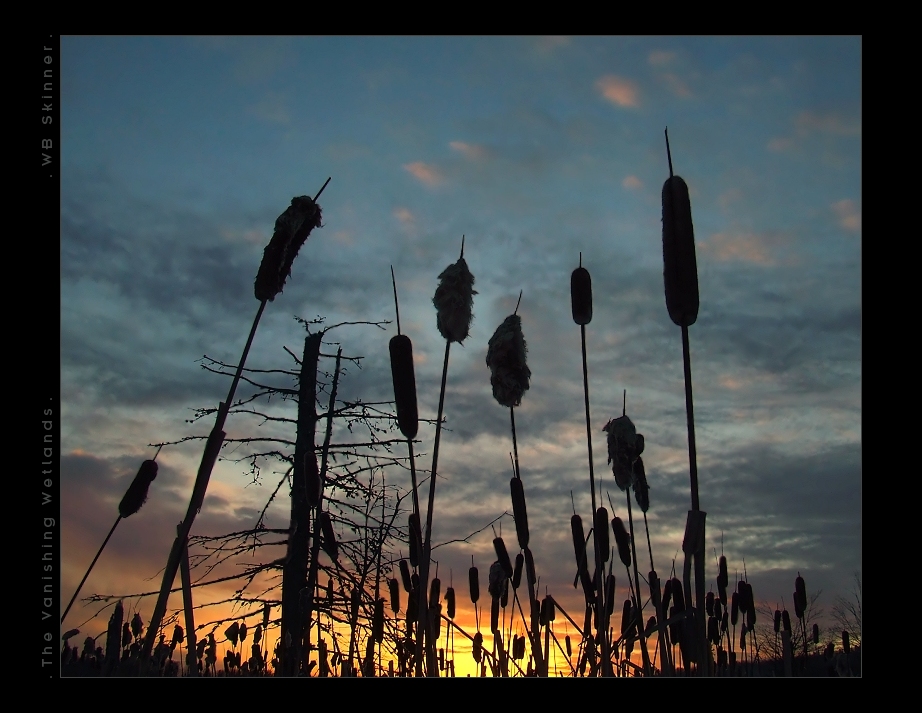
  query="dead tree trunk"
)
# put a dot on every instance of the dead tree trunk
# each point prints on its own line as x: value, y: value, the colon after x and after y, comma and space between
x: 294, y: 576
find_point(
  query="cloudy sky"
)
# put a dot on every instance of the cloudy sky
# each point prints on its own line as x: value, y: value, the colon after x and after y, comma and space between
x: 179, y: 153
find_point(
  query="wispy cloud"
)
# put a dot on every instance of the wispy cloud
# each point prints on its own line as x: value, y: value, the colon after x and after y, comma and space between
x: 848, y: 214
x: 660, y: 58
x: 632, y: 182
x: 424, y: 172
x: 471, y: 151
x: 549, y: 43
x: 829, y: 122
x: 779, y: 144
x: 676, y: 85
x: 619, y: 91
x: 738, y: 247
x: 404, y: 216
x: 272, y: 108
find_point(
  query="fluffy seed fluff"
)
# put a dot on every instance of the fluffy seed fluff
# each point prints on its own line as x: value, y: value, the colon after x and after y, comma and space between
x: 136, y: 495
x: 641, y: 488
x: 454, y: 301
x: 506, y: 357
x: 622, y: 449
x: 291, y: 230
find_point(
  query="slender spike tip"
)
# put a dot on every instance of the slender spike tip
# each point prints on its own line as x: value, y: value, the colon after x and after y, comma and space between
x: 668, y: 152
x: 518, y: 303
x: 396, y: 304
x: 321, y: 189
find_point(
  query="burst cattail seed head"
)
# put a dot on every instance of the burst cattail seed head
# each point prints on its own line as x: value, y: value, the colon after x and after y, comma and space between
x: 506, y: 358
x: 136, y: 494
x: 581, y: 295
x: 622, y: 449
x: 680, y: 269
x: 497, y: 580
x: 641, y: 488
x: 291, y: 230
x: 519, y: 512
x: 232, y: 632
x: 404, y: 379
x: 454, y: 301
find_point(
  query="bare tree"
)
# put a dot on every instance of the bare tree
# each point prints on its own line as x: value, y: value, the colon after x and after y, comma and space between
x: 846, y: 611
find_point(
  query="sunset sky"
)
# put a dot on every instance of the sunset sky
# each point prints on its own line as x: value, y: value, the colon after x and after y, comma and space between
x: 180, y: 152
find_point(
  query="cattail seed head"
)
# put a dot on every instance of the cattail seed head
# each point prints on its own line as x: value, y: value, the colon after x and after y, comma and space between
x: 641, y: 488
x: 506, y: 357
x: 530, y: 567
x: 569, y: 646
x: 394, y: 589
x: 291, y: 230
x: 497, y: 580
x: 474, y: 582
x: 177, y: 634
x: 722, y: 577
x: 137, y: 625
x: 678, y: 594
x: 680, y: 269
x: 257, y: 635
x: 232, y: 632
x: 601, y: 528
x: 623, y: 540
x: 477, y: 647
x: 626, y: 620
x: 709, y: 603
x: 405, y: 575
x: 786, y: 620
x: 404, y: 379
x: 136, y: 494
x: 622, y: 445
x: 113, y: 637
x: 734, y: 608
x: 450, y: 602
x: 609, y: 595
x: 435, y: 590
x: 519, y: 513
x: 816, y: 634
x: 517, y: 570
x: 581, y: 295
x: 454, y: 301
x: 667, y: 593
x: 718, y: 608
x: 777, y: 622
x: 494, y: 615
x: 416, y: 539
x: 503, y: 556
x: 328, y: 539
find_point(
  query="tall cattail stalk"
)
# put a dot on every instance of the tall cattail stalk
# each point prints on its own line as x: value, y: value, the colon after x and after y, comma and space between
x: 454, y: 303
x: 509, y: 377
x: 292, y: 228
x: 131, y: 502
x: 581, y: 307
x: 680, y: 277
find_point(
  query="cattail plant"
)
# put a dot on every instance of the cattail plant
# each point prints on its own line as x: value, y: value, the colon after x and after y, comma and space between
x: 292, y: 229
x: 509, y: 378
x: 454, y: 303
x: 680, y: 277
x: 131, y: 502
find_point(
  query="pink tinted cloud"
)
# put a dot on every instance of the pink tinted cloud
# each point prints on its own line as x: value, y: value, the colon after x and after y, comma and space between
x: 471, y: 151
x: 830, y: 122
x: 425, y: 173
x: 632, y: 182
x: 737, y: 247
x: 848, y: 214
x: 404, y: 216
x: 659, y: 58
x: 676, y: 85
x: 619, y: 91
